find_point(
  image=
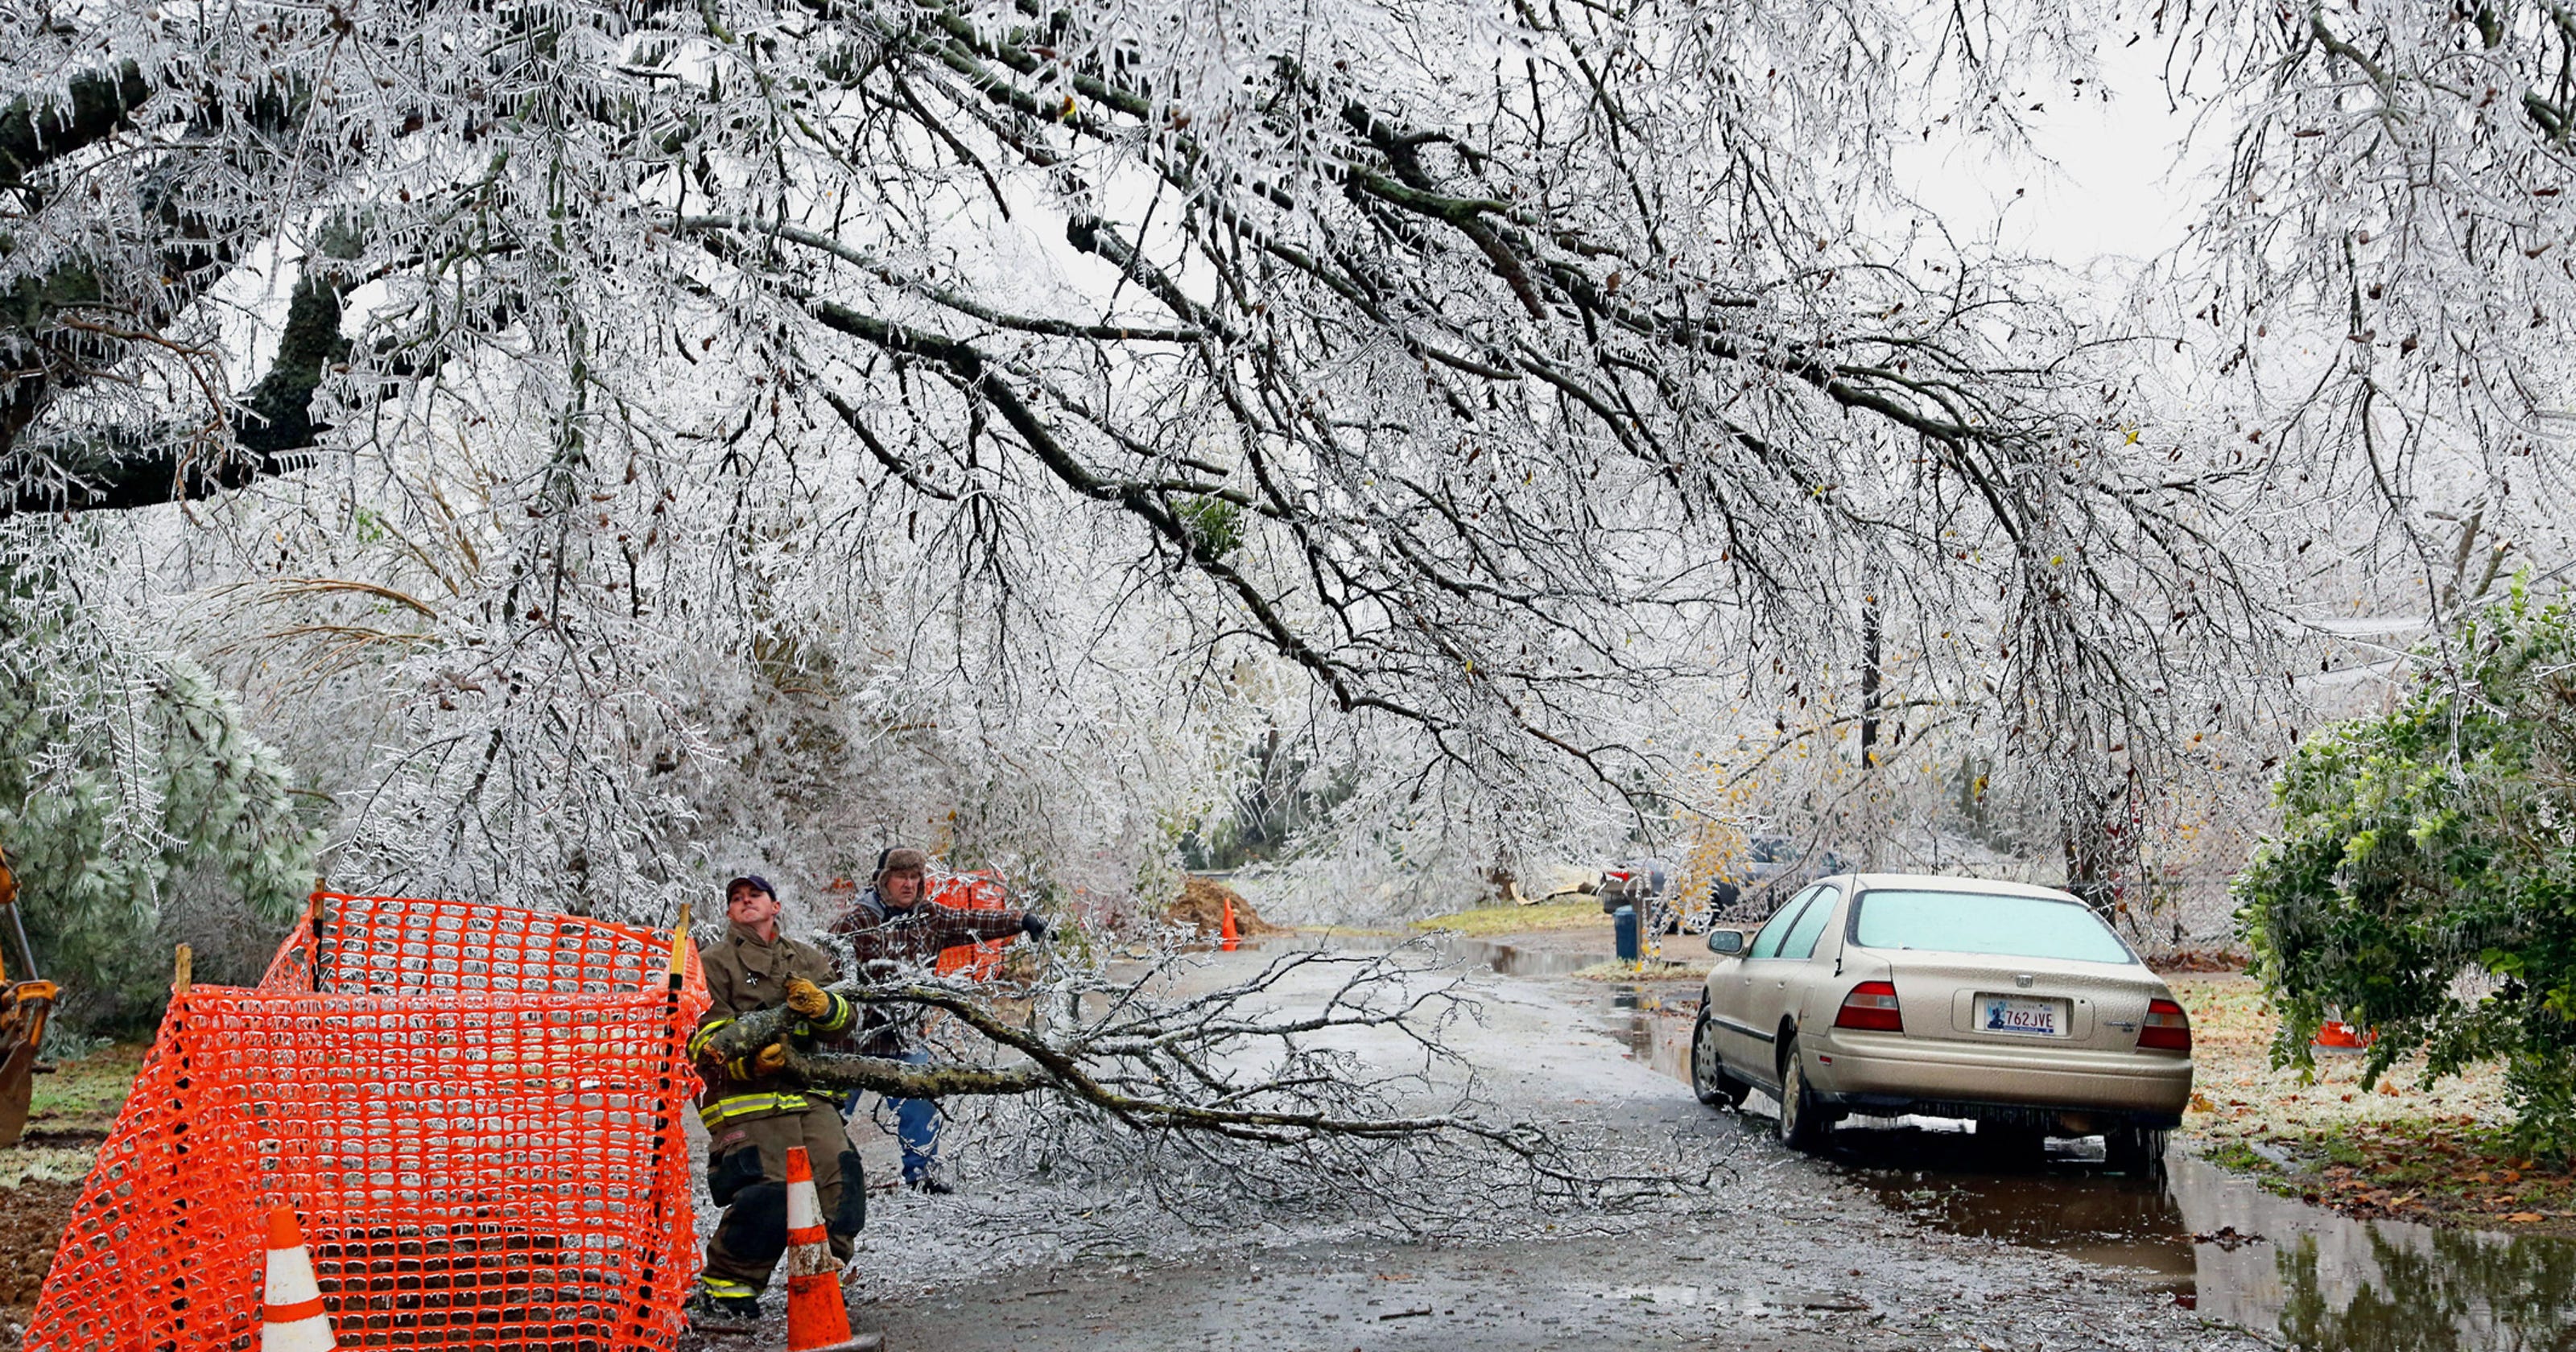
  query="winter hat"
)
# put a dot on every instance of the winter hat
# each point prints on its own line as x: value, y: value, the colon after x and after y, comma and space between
x: 897, y: 860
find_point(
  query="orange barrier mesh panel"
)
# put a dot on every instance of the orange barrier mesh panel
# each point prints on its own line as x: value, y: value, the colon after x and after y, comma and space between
x: 976, y: 892
x: 476, y: 1111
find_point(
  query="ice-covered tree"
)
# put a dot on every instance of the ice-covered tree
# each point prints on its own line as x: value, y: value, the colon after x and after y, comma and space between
x: 126, y: 771
x: 1499, y: 373
x: 2384, y: 267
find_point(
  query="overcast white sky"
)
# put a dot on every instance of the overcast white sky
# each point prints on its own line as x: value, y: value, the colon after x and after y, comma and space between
x: 2120, y: 189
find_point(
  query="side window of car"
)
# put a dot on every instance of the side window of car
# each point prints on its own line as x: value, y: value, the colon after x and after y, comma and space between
x: 1801, y: 940
x: 1767, y: 943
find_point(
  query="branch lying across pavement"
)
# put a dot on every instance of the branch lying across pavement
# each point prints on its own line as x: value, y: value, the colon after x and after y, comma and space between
x: 1262, y: 1063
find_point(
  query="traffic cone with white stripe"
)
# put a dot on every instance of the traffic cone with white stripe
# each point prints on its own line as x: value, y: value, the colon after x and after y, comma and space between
x: 2334, y: 1035
x: 291, y: 1319
x: 818, y: 1319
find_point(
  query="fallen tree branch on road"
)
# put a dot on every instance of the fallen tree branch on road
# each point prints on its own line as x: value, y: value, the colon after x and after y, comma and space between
x: 1262, y: 1066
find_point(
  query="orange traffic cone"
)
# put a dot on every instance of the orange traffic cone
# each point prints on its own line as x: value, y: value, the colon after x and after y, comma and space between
x: 2335, y: 1035
x: 292, y: 1320
x: 818, y: 1319
x: 1226, y: 937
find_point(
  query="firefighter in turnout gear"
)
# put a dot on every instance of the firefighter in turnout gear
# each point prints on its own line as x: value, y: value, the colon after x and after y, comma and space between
x: 754, y: 1112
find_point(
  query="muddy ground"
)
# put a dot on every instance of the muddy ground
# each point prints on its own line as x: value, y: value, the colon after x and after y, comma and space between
x: 31, y: 1225
x: 1828, y: 1279
x: 73, y: 1107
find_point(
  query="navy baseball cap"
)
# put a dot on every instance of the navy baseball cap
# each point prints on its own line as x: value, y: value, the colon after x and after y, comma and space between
x: 750, y: 880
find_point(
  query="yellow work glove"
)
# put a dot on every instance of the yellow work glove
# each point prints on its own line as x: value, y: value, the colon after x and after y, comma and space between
x: 771, y: 1059
x: 807, y: 999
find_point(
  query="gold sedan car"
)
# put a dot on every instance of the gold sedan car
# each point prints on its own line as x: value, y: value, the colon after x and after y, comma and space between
x: 1887, y: 994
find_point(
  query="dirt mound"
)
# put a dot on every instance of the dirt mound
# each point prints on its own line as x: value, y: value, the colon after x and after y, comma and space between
x: 1202, y: 907
x: 32, y: 1217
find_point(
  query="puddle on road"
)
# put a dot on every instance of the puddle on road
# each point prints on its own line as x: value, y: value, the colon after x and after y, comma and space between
x: 2319, y: 1281
x: 1506, y: 960
x: 1654, y: 1025
x: 1502, y: 959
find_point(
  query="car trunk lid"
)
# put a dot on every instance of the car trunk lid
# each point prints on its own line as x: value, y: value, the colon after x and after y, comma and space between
x: 2037, y: 1002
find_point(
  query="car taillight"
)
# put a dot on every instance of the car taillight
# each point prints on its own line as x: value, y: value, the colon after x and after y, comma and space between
x: 1871, y: 1006
x: 2167, y: 1028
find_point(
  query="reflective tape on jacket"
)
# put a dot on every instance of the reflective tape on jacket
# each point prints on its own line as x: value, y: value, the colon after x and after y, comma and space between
x: 838, y: 1018
x: 727, y: 1109
x: 706, y: 1033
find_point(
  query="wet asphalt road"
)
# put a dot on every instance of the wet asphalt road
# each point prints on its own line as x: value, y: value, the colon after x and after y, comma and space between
x: 1528, y: 1294
x: 1785, y: 1252
x: 1727, y: 1285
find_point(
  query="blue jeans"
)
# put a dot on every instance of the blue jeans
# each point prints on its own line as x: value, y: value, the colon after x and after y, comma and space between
x: 916, y: 1122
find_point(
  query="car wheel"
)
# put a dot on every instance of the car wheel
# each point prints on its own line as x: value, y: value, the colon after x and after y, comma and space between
x: 1709, y: 1077
x: 1802, y: 1120
x: 2134, y: 1150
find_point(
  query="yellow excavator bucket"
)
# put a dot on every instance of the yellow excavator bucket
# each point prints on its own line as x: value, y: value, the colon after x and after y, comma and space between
x: 24, y: 1006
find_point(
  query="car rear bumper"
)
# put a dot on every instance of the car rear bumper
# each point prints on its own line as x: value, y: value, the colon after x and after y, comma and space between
x: 1881, y: 1073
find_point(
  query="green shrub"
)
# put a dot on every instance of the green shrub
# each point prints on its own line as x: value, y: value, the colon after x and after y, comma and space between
x: 2432, y: 844
x: 126, y: 775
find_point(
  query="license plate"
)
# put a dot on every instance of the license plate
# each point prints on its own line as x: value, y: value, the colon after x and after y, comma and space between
x: 2029, y: 1018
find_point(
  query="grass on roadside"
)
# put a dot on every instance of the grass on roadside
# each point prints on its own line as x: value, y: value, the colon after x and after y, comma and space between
x: 2439, y: 1153
x: 2242, y: 1158
x: 70, y: 1110
x: 87, y: 1094
x: 1486, y: 922
x: 2445, y: 1170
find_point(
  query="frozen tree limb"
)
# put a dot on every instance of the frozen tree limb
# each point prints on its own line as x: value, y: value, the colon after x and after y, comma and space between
x: 1255, y: 1063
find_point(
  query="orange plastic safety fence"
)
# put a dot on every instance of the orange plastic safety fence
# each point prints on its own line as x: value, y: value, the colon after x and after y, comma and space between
x: 974, y: 892
x: 475, y: 1110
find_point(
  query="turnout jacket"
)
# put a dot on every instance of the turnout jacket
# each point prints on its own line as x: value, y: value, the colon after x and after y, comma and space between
x: 745, y: 975
x: 884, y: 941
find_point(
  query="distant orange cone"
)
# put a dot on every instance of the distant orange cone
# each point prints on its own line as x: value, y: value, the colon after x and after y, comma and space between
x: 2335, y: 1035
x: 1227, y: 938
x: 292, y: 1319
x: 818, y: 1319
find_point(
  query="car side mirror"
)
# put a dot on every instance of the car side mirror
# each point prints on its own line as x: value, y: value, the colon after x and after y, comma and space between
x: 1726, y: 942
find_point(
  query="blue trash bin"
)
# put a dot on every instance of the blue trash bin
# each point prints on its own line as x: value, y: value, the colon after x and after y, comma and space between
x: 1624, y: 921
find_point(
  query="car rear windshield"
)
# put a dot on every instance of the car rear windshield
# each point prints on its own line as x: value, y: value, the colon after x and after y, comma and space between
x: 1978, y: 922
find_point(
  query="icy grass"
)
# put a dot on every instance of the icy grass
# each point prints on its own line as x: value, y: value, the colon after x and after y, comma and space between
x: 83, y: 1095
x: 2239, y: 1094
x: 86, y: 1094
x: 2439, y: 1153
x: 1494, y: 921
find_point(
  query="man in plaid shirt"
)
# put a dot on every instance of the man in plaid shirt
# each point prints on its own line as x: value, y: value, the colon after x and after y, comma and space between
x: 890, y: 929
